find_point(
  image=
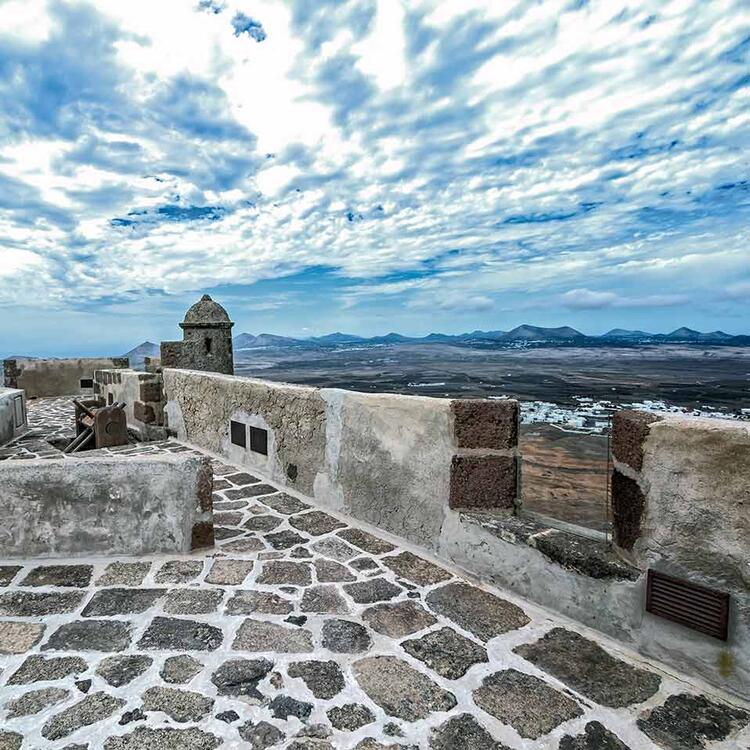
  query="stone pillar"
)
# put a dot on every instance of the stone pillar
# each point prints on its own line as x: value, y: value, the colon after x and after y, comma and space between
x: 485, y: 469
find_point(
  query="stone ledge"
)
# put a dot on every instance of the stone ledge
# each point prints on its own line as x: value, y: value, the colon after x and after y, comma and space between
x: 589, y: 557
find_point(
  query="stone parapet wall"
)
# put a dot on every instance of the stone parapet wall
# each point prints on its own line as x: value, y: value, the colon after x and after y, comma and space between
x: 105, y: 506
x: 681, y: 506
x: 143, y: 395
x: 57, y: 377
x: 401, y: 463
x: 12, y: 413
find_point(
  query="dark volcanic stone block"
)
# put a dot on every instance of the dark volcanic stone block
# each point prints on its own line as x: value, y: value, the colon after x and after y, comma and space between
x: 350, y: 717
x: 595, y: 737
x: 629, y: 432
x: 172, y: 634
x: 121, y: 602
x: 91, y: 709
x: 416, y: 569
x: 124, y: 668
x: 586, y: 667
x: 41, y: 669
x: 398, y: 619
x: 447, y: 652
x: 366, y: 542
x: 628, y: 503
x: 90, y: 635
x: 687, y: 722
x: 482, y: 423
x: 316, y: 523
x: 324, y: 679
x: 147, y: 738
x: 481, y: 613
x: 241, y: 677
x: 144, y: 412
x: 202, y: 535
x: 374, y: 590
x: 400, y: 690
x: 486, y: 482
x: 463, y: 732
x: 528, y: 704
x: 73, y: 576
x: 37, y: 603
x: 345, y: 637
x: 8, y: 573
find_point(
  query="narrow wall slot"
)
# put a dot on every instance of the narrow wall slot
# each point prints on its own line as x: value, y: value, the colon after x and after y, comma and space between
x: 87, y: 382
x: 19, y: 414
x: 259, y: 440
x: 237, y: 433
x: 696, y: 607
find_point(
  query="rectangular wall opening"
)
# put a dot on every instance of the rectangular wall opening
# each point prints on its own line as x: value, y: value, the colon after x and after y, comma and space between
x: 87, y: 382
x: 237, y: 433
x: 259, y: 440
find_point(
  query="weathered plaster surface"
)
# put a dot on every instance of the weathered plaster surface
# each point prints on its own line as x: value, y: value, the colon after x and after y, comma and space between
x: 59, y: 377
x: 8, y: 421
x: 390, y: 460
x: 102, y: 505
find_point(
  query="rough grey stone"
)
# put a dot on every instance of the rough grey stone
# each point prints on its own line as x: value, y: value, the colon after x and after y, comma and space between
x: 38, y: 603
x: 10, y: 740
x: 91, y: 709
x: 398, y: 619
x: 253, y: 490
x: 528, y: 704
x: 72, y: 576
x: 595, y: 737
x: 248, y: 602
x: 179, y: 571
x: 83, y: 685
x: 229, y: 572
x: 121, y: 669
x: 481, y: 613
x: 172, y: 634
x: 228, y: 518
x: 316, y: 523
x: 241, y: 478
x: 301, y: 552
x: 588, y: 668
x: 283, y: 572
x: 286, y: 504
x: 241, y: 677
x: 366, y: 542
x: 180, y: 669
x: 228, y: 717
x: 688, y: 722
x: 324, y: 600
x: 345, y: 637
x: 8, y: 573
x: 400, y: 690
x: 350, y: 717
x: 450, y: 654
x: 19, y: 637
x: 324, y: 679
x: 364, y: 563
x: 180, y: 705
x: 121, y: 601
x: 224, y: 532
x: 284, y: 539
x: 374, y: 590
x: 130, y: 716
x: 284, y: 706
x: 40, y: 669
x: 229, y: 505
x: 146, y: 738
x: 328, y: 571
x: 416, y: 569
x: 124, y: 574
x: 463, y: 732
x: 35, y: 701
x: 255, y: 635
x: 192, y: 601
x: 243, y: 546
x: 335, y: 549
x: 261, y: 735
x: 90, y: 635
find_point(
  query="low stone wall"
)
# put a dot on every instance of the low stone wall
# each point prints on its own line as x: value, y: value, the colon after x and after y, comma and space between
x: 56, y: 377
x: 681, y: 506
x: 402, y: 463
x: 143, y: 395
x: 12, y: 414
x: 105, y: 506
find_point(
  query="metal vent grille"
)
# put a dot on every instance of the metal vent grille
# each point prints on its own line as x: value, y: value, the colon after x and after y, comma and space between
x: 688, y: 604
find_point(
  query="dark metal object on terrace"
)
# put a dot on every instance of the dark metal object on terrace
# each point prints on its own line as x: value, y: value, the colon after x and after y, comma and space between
x: 98, y: 426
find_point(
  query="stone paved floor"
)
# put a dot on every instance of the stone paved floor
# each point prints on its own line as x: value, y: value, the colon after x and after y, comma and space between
x: 301, y: 630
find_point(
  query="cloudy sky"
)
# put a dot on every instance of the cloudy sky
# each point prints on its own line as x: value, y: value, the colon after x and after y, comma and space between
x: 371, y: 166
